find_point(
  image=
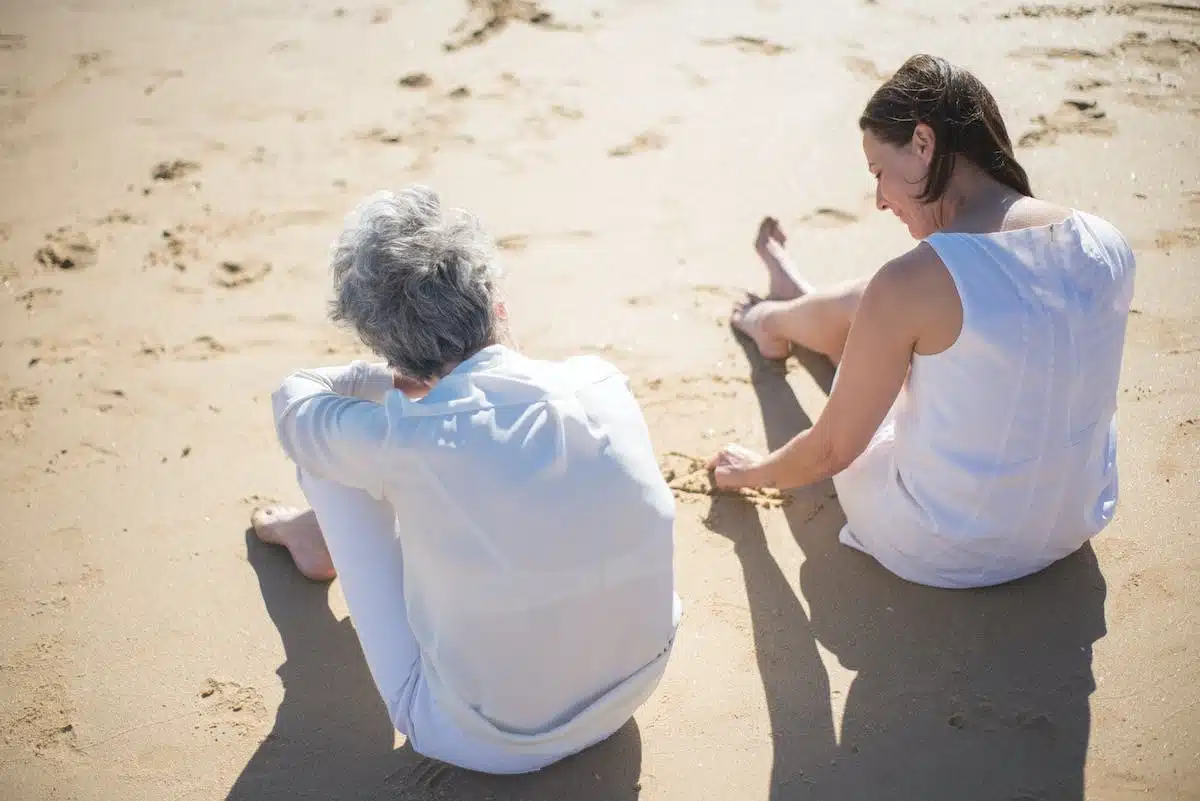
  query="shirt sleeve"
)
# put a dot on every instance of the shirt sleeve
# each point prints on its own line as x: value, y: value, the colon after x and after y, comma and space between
x: 331, y: 423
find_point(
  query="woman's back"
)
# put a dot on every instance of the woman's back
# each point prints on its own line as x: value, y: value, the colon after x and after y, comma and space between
x: 1000, y: 455
x: 1005, y: 442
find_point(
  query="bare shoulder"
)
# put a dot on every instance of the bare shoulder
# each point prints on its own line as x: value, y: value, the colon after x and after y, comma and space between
x: 917, y: 276
x: 919, y: 283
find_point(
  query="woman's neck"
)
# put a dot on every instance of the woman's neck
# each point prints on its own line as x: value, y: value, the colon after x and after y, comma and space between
x: 973, y: 195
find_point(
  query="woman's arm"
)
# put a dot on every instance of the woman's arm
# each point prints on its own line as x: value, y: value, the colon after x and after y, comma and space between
x: 873, y: 369
x: 330, y: 422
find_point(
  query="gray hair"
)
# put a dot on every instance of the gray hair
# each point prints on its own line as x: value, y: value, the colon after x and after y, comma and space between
x: 418, y: 284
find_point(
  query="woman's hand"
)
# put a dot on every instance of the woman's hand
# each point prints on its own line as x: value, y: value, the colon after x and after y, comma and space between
x: 736, y: 467
x: 414, y: 388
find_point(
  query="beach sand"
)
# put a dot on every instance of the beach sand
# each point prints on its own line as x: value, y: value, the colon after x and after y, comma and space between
x: 173, y: 174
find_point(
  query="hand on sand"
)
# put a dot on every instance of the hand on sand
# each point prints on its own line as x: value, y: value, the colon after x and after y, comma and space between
x: 736, y: 467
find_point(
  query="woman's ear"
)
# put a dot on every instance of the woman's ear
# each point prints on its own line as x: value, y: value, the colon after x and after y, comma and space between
x: 501, y: 311
x: 923, y: 142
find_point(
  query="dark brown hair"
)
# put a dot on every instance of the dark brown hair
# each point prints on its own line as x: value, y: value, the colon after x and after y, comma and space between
x: 962, y: 113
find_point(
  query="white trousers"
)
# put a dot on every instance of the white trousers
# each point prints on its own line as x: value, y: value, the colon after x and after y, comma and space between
x: 360, y: 533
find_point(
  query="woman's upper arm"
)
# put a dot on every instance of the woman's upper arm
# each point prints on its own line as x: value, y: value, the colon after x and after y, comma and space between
x: 330, y: 435
x: 875, y: 361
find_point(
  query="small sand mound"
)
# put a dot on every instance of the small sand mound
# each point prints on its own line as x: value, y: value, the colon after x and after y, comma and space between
x: 688, y: 478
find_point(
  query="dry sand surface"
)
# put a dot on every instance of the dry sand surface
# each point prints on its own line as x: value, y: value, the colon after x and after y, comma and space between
x: 173, y: 173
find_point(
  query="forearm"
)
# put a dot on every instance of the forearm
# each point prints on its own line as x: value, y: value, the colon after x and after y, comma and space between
x: 359, y: 379
x: 330, y: 423
x: 808, y: 458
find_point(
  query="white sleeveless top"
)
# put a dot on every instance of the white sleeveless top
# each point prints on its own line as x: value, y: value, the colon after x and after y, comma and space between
x: 999, y: 456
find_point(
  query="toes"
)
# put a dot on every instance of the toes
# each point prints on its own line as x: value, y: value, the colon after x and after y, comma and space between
x: 776, y: 232
x: 323, y: 572
x: 271, y: 514
x: 740, y: 309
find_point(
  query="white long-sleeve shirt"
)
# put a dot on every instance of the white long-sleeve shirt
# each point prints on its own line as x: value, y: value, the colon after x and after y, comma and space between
x: 536, y: 530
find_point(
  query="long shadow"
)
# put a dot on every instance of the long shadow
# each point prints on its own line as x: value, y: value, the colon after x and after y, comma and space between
x: 979, y: 694
x: 332, y: 738
x: 795, y: 679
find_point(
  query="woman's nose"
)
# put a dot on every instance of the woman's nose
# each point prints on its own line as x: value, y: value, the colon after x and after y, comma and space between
x: 880, y: 203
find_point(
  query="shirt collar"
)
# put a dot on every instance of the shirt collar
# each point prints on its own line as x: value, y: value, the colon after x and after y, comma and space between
x: 482, y: 360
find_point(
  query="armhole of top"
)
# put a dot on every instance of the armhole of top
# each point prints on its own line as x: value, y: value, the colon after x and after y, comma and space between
x: 941, y: 244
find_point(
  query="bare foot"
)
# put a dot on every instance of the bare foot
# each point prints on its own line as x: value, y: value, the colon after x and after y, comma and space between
x: 750, y: 317
x: 785, y: 280
x: 300, y: 533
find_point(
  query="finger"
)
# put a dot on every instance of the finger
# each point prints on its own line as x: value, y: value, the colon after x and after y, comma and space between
x: 726, y: 477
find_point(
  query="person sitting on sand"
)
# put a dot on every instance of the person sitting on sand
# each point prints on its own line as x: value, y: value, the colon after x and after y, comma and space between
x: 970, y: 431
x: 502, y: 532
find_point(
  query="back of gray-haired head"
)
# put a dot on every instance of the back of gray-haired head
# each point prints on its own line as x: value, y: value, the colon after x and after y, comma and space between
x: 418, y: 284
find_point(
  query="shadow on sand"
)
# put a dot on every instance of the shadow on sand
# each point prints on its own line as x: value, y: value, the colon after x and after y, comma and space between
x: 979, y: 694
x: 332, y: 738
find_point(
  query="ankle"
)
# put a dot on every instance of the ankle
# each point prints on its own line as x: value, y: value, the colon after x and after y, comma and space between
x: 771, y: 318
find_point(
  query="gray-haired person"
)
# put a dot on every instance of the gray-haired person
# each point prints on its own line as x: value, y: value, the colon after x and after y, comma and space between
x: 502, y: 532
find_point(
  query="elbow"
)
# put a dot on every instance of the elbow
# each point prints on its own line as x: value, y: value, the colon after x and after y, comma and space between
x: 840, y: 454
x: 837, y: 462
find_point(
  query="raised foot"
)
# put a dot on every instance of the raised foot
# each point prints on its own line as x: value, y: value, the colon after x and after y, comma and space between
x: 299, y: 532
x: 770, y: 243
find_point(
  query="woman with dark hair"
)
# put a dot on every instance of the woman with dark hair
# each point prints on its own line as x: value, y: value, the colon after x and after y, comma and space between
x: 970, y: 432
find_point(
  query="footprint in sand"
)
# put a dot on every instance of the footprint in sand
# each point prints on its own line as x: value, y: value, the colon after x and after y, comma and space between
x: 1166, y: 52
x: 644, y: 142
x: 566, y: 112
x: 1182, y: 238
x: 487, y: 19
x: 236, y: 274
x: 515, y: 242
x: 20, y: 400
x: 1072, y: 117
x: 34, y: 298
x: 1061, y: 53
x: 66, y: 249
x: 200, y: 349
x: 1089, y: 84
x: 43, y: 721
x: 229, y: 707
x: 519, y: 242
x: 415, y: 80
x: 175, y: 249
x: 173, y: 170
x: 754, y: 45
x: 118, y: 217
x: 864, y: 67
x: 1161, y: 13
x: 827, y: 217
x: 382, y: 136
x: 1049, y: 11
